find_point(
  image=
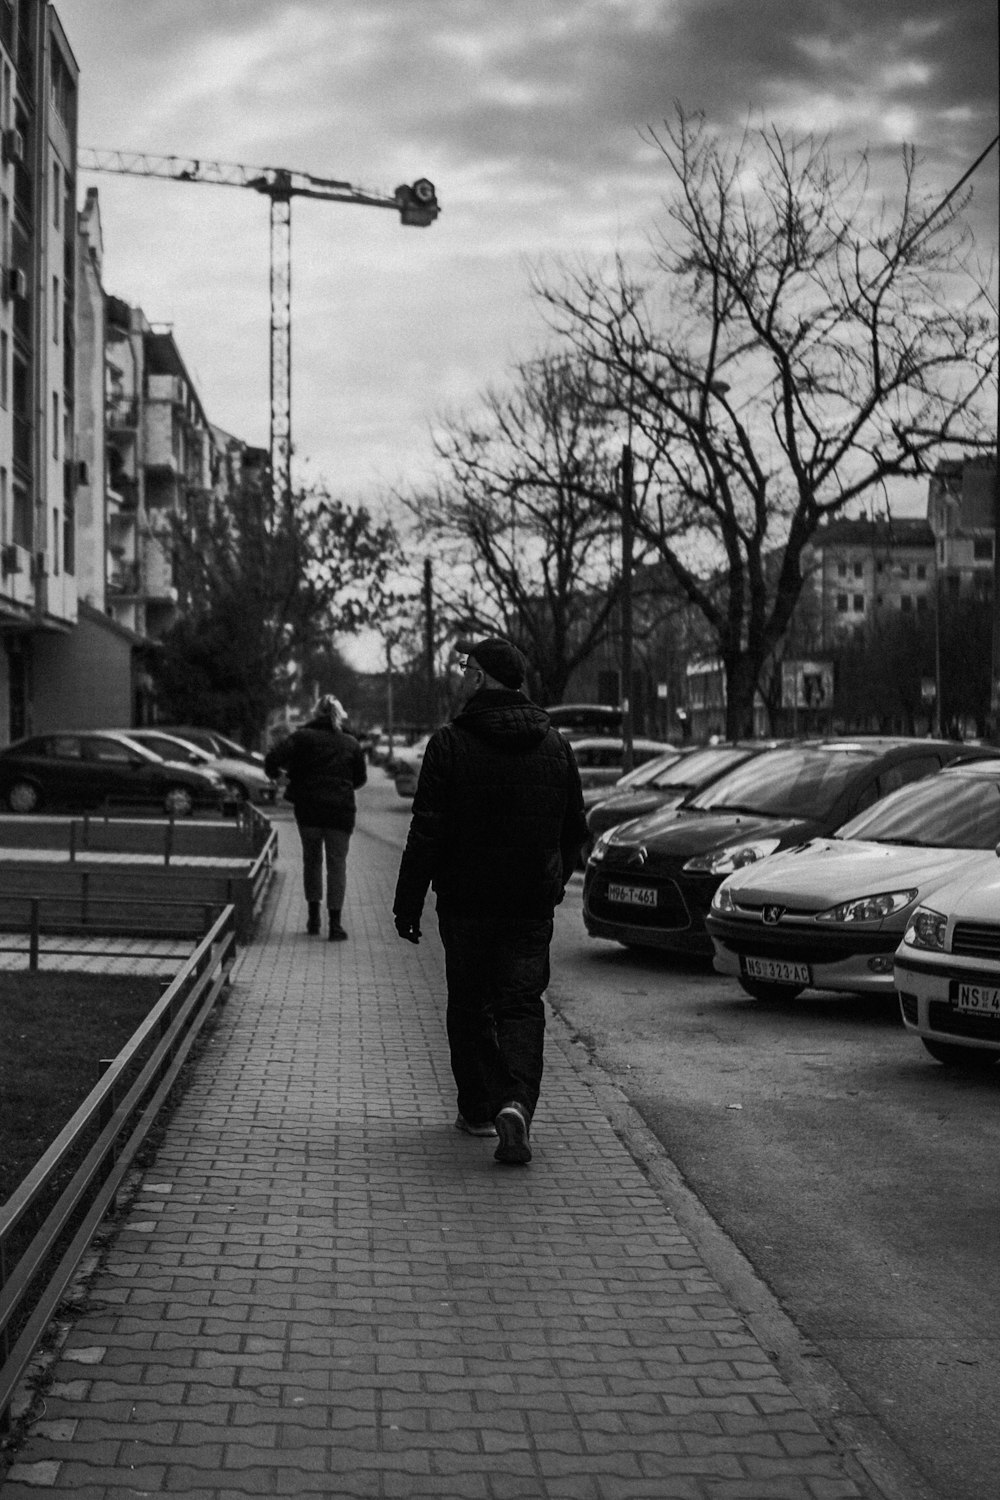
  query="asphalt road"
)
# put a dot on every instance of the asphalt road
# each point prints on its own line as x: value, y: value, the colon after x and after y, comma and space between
x: 857, y: 1177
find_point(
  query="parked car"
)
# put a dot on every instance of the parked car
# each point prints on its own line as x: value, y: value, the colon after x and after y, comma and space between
x: 406, y: 763
x: 212, y: 741
x: 584, y: 720
x: 680, y: 775
x: 947, y: 970
x: 649, y: 882
x: 80, y: 769
x: 830, y: 913
x: 243, y: 779
x: 600, y: 758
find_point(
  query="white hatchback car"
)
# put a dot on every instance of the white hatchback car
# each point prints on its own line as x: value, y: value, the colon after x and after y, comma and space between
x: 947, y: 971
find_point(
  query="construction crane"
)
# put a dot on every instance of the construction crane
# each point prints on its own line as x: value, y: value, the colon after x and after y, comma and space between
x: 416, y: 203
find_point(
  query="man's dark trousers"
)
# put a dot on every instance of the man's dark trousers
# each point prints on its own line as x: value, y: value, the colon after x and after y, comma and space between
x: 497, y: 971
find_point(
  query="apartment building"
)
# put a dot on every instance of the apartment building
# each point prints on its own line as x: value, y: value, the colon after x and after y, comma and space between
x: 962, y: 513
x: 38, y: 245
x: 860, y: 570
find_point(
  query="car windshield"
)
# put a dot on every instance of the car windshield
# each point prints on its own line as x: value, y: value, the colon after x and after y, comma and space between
x: 172, y: 749
x: 648, y: 774
x: 795, y: 783
x: 699, y: 767
x: 943, y: 812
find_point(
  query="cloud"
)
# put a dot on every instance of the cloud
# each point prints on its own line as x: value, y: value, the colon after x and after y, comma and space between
x: 531, y: 118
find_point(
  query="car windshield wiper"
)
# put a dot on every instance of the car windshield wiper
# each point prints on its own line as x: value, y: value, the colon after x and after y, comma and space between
x: 734, y: 807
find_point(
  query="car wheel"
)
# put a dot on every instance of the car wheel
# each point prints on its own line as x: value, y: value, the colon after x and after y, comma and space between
x: 760, y: 989
x: 178, y: 801
x: 955, y: 1056
x: 24, y: 797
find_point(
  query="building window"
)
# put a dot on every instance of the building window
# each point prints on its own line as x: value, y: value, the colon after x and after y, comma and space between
x: 56, y: 309
x: 904, y: 570
x: 842, y: 570
x: 3, y: 506
x: 55, y: 424
x: 69, y: 535
x: 842, y: 604
x: 905, y: 603
x: 22, y: 530
x: 55, y: 539
x: 859, y: 604
x: 56, y: 194
x: 921, y: 571
x: 982, y: 549
x: 4, y: 364
x: 921, y: 604
x: 859, y: 570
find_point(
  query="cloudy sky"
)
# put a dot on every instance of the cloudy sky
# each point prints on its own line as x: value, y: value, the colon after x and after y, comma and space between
x: 527, y: 114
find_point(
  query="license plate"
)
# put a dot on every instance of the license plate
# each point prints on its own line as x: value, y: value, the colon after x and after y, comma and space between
x: 776, y: 969
x: 632, y: 895
x: 977, y: 999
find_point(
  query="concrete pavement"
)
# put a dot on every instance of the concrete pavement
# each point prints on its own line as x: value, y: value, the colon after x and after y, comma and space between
x: 322, y: 1288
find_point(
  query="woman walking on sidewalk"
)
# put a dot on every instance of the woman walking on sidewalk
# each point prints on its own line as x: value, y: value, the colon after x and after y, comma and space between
x: 324, y: 766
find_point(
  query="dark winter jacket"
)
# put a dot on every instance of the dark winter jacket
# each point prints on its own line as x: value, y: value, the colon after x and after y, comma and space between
x: 324, y: 765
x: 498, y: 816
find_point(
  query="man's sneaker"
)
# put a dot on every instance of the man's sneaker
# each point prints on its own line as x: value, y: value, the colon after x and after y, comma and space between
x: 512, y: 1128
x: 467, y: 1127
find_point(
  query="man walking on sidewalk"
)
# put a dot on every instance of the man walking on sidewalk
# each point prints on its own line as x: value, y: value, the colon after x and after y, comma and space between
x: 498, y: 823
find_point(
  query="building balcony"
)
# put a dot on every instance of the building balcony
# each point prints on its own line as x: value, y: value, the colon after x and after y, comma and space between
x: 122, y: 415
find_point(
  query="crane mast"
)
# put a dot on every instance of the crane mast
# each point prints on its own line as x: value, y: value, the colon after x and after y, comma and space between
x: 415, y: 203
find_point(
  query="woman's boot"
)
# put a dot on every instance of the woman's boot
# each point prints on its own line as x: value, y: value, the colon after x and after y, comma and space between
x: 312, y: 923
x: 336, y: 933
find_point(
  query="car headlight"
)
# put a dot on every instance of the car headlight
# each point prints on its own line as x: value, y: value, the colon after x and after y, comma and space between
x: 601, y: 847
x: 927, y: 929
x: 733, y: 857
x: 723, y: 899
x: 868, y: 908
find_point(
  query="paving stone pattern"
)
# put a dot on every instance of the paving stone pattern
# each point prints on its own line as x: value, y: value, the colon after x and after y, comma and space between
x: 323, y: 1289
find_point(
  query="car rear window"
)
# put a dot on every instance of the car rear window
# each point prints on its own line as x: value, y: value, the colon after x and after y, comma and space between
x: 794, y: 783
x: 944, y: 812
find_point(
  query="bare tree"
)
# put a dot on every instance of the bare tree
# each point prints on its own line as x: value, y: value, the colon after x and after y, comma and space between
x: 523, y: 518
x: 793, y: 344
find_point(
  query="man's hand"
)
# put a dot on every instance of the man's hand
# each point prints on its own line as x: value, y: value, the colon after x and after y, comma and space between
x: 408, y: 928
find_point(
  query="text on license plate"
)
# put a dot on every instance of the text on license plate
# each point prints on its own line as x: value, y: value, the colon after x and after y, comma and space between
x: 980, y: 999
x: 778, y: 969
x: 633, y: 895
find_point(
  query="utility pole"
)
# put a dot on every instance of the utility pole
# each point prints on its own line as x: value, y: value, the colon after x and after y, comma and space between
x: 429, y: 640
x: 628, y: 754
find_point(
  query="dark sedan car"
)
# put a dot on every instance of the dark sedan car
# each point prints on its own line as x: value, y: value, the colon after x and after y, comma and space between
x: 677, y: 779
x: 79, y: 769
x: 649, y: 882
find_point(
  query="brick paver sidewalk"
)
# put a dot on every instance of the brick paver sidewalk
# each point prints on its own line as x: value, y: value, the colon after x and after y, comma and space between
x: 324, y: 1289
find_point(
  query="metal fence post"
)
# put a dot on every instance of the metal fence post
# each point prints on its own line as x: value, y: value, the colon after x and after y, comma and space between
x: 34, y: 933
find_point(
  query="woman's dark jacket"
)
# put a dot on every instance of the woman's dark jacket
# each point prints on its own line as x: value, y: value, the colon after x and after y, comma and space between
x: 498, y: 815
x: 324, y: 765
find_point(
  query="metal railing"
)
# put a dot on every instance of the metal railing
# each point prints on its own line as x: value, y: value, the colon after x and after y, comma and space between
x: 108, y: 1129
x: 101, y: 917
